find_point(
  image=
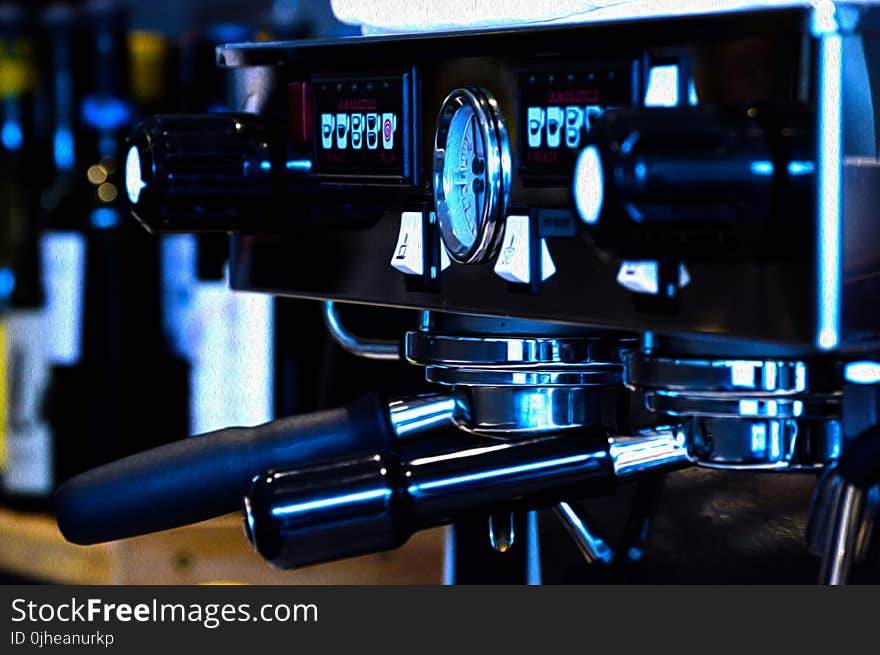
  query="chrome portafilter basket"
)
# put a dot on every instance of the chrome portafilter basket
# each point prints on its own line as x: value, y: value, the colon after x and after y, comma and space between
x: 507, y: 386
x: 746, y: 414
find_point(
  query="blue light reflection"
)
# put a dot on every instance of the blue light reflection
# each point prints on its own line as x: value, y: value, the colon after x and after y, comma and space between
x: 862, y: 372
x: 335, y: 501
x: 510, y: 470
x: 829, y: 187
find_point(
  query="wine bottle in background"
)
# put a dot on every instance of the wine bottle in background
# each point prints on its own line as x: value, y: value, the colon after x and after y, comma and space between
x: 226, y: 335
x: 116, y: 387
x: 29, y: 446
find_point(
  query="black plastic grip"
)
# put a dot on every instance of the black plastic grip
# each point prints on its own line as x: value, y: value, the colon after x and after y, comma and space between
x: 206, y: 476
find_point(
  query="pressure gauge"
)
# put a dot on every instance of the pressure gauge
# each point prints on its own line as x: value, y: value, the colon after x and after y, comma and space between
x: 471, y: 174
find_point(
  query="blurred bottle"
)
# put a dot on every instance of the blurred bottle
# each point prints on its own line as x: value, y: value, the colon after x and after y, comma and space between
x: 116, y: 387
x: 29, y: 449
x: 226, y: 335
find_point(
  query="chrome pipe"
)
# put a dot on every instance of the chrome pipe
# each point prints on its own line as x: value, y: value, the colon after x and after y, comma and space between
x: 592, y: 547
x: 414, y: 416
x: 659, y: 448
x: 844, y: 522
x: 366, y: 348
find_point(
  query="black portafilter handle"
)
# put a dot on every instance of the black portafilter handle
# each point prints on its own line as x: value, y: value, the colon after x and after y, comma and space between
x: 206, y: 476
x: 360, y: 505
x: 200, y: 173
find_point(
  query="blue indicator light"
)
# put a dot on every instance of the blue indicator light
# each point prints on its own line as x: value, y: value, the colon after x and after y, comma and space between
x: 801, y: 168
x: 299, y: 164
x: 290, y: 164
x: 761, y: 168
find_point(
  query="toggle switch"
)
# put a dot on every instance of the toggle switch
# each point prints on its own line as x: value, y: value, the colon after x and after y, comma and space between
x: 644, y: 277
x: 513, y: 263
x: 408, y: 255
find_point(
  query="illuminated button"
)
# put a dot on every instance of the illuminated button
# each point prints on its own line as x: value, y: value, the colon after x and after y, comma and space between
x: 536, y: 118
x: 372, y: 131
x: 644, y: 276
x: 514, y: 259
x: 389, y: 124
x: 574, y: 123
x: 408, y: 257
x: 555, y: 118
x: 328, y: 125
x: 342, y: 131
x: 357, y: 131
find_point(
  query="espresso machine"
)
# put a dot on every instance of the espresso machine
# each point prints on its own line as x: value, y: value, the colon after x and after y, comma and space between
x: 632, y: 247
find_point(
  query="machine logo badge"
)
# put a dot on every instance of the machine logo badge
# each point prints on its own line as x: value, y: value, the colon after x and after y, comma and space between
x: 134, y: 182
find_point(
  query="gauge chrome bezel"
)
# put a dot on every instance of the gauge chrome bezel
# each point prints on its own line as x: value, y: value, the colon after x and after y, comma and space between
x: 493, y: 131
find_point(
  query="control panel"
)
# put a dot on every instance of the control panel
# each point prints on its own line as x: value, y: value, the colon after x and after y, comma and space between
x: 627, y: 175
x: 364, y: 125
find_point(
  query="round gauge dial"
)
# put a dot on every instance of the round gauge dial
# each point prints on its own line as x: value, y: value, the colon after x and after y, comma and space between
x: 471, y: 174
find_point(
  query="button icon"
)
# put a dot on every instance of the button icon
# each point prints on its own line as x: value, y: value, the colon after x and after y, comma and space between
x: 389, y: 124
x: 536, y: 117
x: 357, y: 131
x: 372, y: 131
x: 342, y: 131
x: 574, y: 122
x: 328, y: 124
x: 555, y: 117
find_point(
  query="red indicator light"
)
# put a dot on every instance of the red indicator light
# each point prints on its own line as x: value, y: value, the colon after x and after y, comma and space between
x: 300, y: 112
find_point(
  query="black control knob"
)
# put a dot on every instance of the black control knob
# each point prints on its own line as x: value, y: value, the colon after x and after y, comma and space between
x: 655, y: 180
x: 200, y: 173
